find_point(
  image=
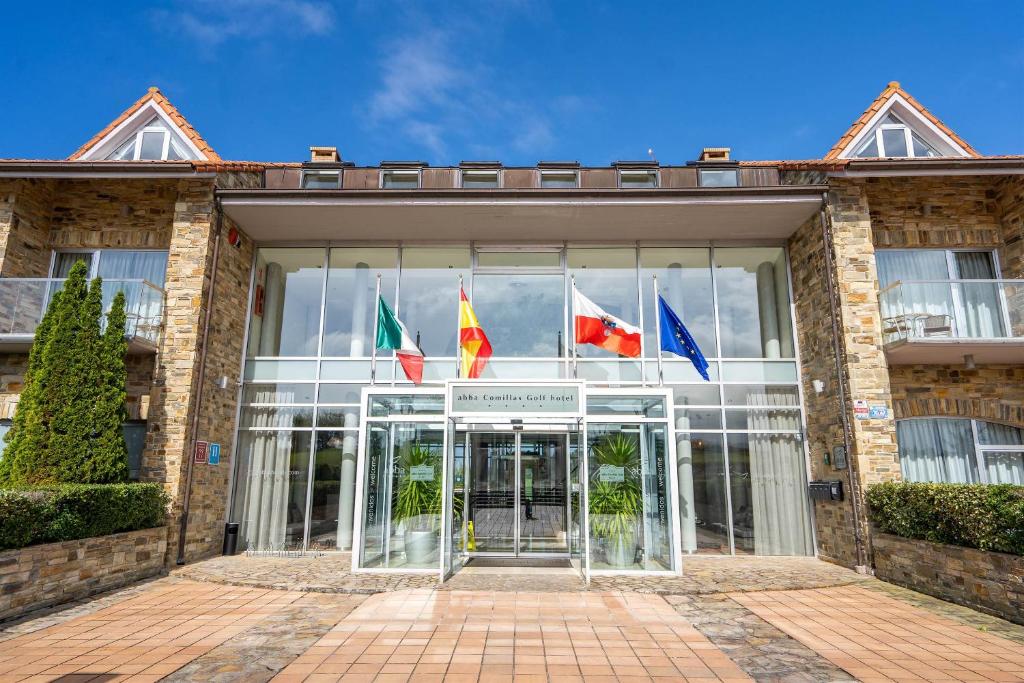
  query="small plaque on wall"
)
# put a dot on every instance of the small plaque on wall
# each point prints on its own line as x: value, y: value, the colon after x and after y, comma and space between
x: 839, y: 457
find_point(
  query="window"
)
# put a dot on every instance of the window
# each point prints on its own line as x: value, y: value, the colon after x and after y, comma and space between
x: 637, y: 178
x: 939, y: 292
x: 153, y: 141
x: 960, y: 451
x: 400, y: 179
x: 753, y: 302
x: 893, y: 138
x: 321, y: 180
x: 718, y: 177
x: 482, y: 179
x: 115, y: 264
x: 562, y: 179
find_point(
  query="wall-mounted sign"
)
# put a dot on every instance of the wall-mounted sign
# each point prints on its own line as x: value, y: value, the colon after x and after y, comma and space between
x: 611, y: 473
x: 839, y: 457
x: 878, y: 412
x: 421, y: 473
x: 202, y: 451
x: 214, y: 453
x: 860, y: 409
x: 515, y: 399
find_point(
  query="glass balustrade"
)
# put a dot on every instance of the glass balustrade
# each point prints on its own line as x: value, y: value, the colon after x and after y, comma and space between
x: 954, y: 309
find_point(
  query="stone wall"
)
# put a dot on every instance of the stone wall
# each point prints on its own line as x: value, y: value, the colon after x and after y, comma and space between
x: 121, y: 214
x: 988, y: 582
x: 54, y: 573
x: 24, y: 227
x: 1009, y: 194
x: 834, y: 521
x: 988, y: 392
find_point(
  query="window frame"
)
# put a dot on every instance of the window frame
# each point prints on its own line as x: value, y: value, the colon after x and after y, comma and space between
x: 154, y: 126
x: 336, y: 172
x: 701, y: 171
x: 575, y: 172
x: 498, y: 175
x: 94, y: 262
x: 908, y: 137
x: 980, y: 450
x: 653, y: 173
x: 397, y: 172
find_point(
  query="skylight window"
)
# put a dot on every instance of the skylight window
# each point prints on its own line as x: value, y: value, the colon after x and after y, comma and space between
x: 152, y: 142
x: 893, y: 138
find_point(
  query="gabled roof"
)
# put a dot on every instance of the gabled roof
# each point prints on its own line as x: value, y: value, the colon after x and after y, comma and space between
x: 882, y: 103
x: 153, y: 97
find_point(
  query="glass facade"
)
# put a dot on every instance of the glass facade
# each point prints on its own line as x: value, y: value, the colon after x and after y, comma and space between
x: 737, y: 440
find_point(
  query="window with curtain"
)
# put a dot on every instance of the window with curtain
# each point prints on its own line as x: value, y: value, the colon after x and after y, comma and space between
x: 960, y: 451
x: 115, y: 264
x: 936, y: 282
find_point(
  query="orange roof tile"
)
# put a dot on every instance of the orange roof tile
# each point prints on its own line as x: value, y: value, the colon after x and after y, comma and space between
x: 180, y: 121
x: 893, y: 89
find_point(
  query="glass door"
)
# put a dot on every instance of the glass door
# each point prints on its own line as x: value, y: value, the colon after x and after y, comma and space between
x: 543, y: 487
x: 491, y: 494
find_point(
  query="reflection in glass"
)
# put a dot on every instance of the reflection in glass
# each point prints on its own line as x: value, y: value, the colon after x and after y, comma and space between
x: 542, y: 488
x: 402, y: 496
x: 684, y: 279
x: 285, y: 318
x: 702, y: 495
x: 522, y: 314
x: 628, y: 502
x: 492, y: 491
x: 324, y: 523
x: 278, y: 393
x: 608, y: 276
x: 349, y: 310
x: 770, y: 509
x: 270, y: 499
x: 753, y: 302
x: 428, y: 296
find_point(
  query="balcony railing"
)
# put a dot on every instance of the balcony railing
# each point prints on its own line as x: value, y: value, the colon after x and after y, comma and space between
x: 23, y: 302
x: 968, y: 310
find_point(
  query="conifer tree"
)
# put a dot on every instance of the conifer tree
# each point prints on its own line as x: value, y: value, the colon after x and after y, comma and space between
x: 67, y: 427
x: 108, y: 461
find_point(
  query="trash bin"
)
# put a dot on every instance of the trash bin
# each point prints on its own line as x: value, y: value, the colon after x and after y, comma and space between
x: 231, y: 538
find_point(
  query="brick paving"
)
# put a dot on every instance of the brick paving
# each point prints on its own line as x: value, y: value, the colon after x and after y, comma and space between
x: 177, y: 629
x: 875, y: 637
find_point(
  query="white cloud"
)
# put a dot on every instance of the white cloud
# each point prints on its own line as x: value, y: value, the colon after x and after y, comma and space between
x: 213, y: 22
x: 432, y: 97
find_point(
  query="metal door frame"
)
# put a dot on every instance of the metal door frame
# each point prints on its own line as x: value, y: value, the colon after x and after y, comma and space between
x: 517, y: 431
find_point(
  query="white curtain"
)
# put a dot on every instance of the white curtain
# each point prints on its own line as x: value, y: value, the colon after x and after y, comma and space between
x: 1003, y: 466
x: 119, y: 264
x: 982, y: 312
x: 937, y: 449
x: 780, y: 505
x: 913, y: 301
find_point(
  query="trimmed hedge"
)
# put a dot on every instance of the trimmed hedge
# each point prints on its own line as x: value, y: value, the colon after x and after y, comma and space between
x: 988, y: 517
x: 72, y: 511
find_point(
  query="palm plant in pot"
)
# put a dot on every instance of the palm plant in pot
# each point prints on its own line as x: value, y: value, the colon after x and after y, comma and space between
x: 417, y: 507
x: 616, y: 504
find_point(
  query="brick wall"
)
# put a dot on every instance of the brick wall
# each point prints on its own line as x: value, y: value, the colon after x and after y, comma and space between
x: 24, y: 227
x: 990, y: 392
x: 1009, y: 193
x: 121, y: 214
x: 985, y: 581
x: 54, y: 573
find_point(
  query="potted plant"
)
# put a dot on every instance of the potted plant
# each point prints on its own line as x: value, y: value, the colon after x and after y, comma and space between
x: 616, y: 498
x: 417, y: 507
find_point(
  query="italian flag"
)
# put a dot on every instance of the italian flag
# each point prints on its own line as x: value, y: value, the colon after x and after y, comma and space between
x: 596, y: 326
x: 392, y: 336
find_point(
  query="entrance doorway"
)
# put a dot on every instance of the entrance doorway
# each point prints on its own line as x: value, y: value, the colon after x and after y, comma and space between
x: 517, y: 494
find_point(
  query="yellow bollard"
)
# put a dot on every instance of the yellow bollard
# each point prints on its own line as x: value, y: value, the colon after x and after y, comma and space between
x: 470, y: 537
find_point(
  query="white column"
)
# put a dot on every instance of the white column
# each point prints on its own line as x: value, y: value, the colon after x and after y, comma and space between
x: 684, y: 474
x: 273, y: 311
x: 769, y: 313
x: 349, y: 444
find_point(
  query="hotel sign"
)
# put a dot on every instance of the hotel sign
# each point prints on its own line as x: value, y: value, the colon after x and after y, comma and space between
x: 515, y: 399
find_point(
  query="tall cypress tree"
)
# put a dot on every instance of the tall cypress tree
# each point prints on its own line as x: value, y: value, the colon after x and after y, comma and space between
x: 68, y: 424
x: 108, y: 461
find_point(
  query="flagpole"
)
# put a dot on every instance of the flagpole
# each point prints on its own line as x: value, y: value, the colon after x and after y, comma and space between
x: 458, y: 330
x: 575, y: 369
x: 657, y: 331
x: 376, y: 323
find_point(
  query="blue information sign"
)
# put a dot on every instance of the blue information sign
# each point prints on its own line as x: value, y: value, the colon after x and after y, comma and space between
x: 214, y: 453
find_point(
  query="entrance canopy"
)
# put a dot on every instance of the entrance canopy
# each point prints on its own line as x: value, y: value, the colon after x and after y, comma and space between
x: 769, y: 213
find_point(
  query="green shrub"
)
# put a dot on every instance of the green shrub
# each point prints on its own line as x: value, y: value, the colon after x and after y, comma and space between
x: 989, y: 517
x: 72, y: 511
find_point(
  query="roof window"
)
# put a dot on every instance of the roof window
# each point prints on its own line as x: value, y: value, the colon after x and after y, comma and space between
x: 152, y: 142
x: 893, y: 138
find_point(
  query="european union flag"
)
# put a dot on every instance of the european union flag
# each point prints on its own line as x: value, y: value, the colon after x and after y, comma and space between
x: 675, y: 338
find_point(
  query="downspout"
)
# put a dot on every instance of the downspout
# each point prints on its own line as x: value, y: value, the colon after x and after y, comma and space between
x: 194, y: 432
x: 833, y: 304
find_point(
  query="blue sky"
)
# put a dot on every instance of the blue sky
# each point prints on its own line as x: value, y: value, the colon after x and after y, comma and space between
x: 517, y: 81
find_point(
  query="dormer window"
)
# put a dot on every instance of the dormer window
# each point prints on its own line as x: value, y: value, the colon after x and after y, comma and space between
x: 152, y: 142
x: 481, y: 179
x: 400, y: 179
x: 559, y: 179
x: 638, y: 178
x: 893, y: 138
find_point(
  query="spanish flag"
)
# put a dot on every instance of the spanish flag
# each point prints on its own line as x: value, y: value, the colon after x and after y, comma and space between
x: 472, y: 340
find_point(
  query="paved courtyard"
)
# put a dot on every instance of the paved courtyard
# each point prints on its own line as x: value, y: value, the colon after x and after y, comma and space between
x: 512, y: 626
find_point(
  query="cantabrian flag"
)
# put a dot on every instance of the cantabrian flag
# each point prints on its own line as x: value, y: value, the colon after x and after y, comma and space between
x: 596, y: 326
x: 476, y: 349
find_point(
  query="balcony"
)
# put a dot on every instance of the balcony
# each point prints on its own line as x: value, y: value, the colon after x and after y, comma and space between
x: 953, y: 322
x: 24, y: 300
